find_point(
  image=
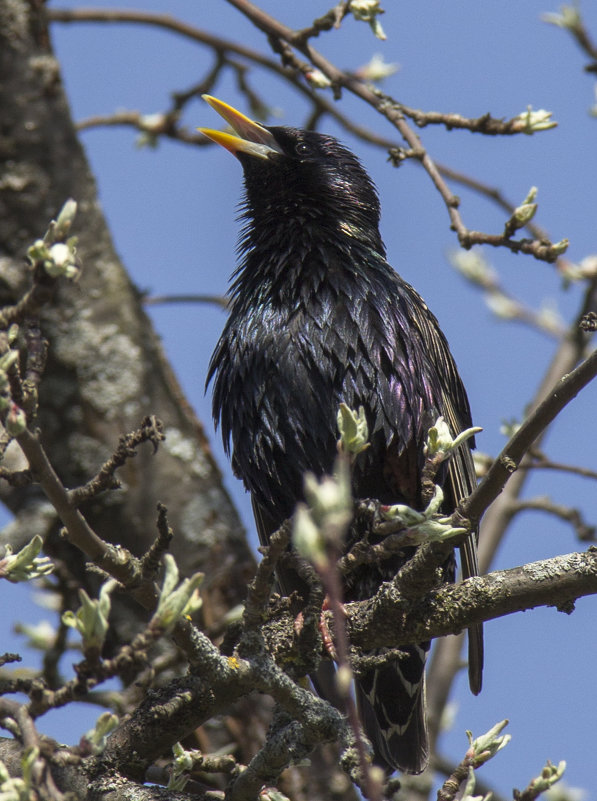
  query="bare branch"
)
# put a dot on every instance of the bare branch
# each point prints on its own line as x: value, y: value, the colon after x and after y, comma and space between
x: 390, y: 620
x: 584, y: 532
x: 157, y: 300
x: 151, y: 430
x: 116, y: 561
x: 543, y: 462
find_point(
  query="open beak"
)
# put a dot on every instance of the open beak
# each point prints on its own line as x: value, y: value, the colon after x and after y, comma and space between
x: 253, y: 139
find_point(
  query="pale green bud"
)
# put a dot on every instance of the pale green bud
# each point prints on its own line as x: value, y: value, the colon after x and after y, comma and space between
x: 524, y: 213
x: 317, y: 79
x: 534, y: 121
x: 97, y: 738
x: 8, y: 359
x: 549, y: 776
x: 550, y: 319
x: 467, y: 792
x: 368, y: 11
x: 17, y: 788
x: 503, y: 306
x: 234, y: 615
x: 487, y: 745
x: 404, y: 514
x: 272, y: 794
x: 91, y: 618
x: 41, y: 636
x: 26, y: 564
x: 560, y: 247
x: 28, y: 760
x: 60, y: 261
x: 483, y: 462
x: 440, y: 441
x: 510, y: 427
x: 377, y: 69
x: 426, y: 526
x: 37, y: 252
x: 307, y: 538
x: 183, y: 760
x: 59, y: 254
x: 474, y: 266
x: 176, y: 601
x: 330, y: 500
x: 569, y: 18
x: 153, y: 123
x: 65, y: 220
x: 181, y: 765
x: 327, y: 515
x: 353, y: 428
x: 588, y: 266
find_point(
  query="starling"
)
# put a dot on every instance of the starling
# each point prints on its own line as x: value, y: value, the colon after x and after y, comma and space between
x: 318, y: 317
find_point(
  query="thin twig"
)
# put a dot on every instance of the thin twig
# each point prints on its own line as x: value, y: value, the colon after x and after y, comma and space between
x: 542, y: 462
x: 89, y: 675
x: 150, y: 563
x: 116, y: 561
x: 158, y: 300
x: 151, y: 430
x: 259, y: 590
x: 584, y: 532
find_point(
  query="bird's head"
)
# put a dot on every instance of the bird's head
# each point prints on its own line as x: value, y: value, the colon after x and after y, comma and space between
x: 301, y: 176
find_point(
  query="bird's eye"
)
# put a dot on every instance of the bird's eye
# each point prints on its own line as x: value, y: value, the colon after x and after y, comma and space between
x: 302, y: 149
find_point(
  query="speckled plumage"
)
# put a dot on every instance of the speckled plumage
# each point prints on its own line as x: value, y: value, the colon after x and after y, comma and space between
x: 318, y: 317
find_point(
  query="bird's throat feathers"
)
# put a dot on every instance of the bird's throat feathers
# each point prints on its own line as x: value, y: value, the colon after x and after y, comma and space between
x: 310, y: 205
x: 291, y: 245
x: 284, y: 267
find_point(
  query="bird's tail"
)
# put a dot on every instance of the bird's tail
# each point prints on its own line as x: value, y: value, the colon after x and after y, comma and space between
x: 391, y: 702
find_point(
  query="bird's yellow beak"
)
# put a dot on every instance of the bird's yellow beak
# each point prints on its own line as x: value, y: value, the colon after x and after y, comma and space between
x: 252, y: 138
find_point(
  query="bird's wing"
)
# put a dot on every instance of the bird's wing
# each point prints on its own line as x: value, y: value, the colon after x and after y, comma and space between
x: 461, y: 479
x: 263, y: 521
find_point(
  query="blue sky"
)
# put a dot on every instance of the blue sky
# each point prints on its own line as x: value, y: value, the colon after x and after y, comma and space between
x: 172, y: 212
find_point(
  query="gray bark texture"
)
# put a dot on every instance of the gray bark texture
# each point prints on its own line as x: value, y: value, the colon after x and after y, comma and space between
x: 106, y: 369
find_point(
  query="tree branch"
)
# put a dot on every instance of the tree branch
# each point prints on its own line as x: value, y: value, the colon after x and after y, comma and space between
x: 387, y: 620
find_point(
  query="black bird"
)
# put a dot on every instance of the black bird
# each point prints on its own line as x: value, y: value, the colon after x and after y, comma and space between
x: 318, y: 317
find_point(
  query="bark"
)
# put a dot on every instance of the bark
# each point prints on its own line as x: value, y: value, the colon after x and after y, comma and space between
x: 106, y: 368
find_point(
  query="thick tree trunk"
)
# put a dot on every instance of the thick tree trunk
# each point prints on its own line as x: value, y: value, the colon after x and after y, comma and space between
x: 106, y: 368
